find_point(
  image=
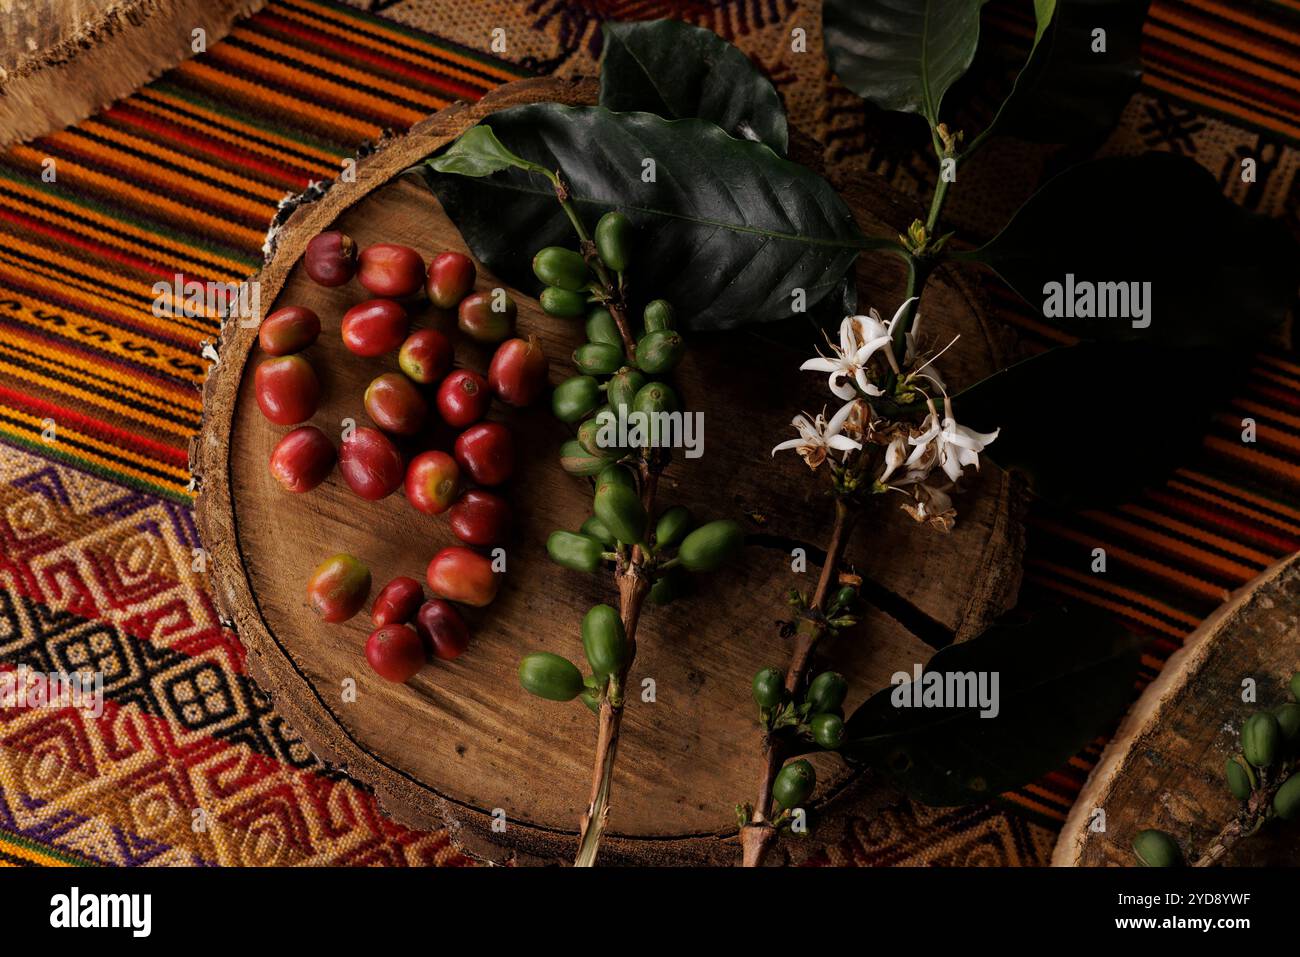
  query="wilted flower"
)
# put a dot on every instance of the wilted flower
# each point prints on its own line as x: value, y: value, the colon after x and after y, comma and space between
x: 818, y: 438
x: 932, y: 506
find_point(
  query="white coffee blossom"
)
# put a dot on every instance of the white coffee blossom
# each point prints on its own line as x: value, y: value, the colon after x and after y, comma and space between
x: 818, y: 438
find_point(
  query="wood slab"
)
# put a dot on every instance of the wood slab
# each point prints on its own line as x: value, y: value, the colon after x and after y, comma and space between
x: 1164, y: 767
x: 462, y: 739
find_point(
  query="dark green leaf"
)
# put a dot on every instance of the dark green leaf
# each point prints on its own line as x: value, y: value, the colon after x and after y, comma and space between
x: 1070, y: 92
x: 678, y: 71
x: 1206, y: 270
x: 1091, y: 423
x: 1063, y: 676
x: 728, y: 229
x: 1043, y: 13
x: 901, y: 54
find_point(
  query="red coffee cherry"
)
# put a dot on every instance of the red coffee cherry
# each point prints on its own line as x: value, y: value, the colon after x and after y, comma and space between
x: 451, y: 277
x: 480, y: 517
x: 338, y: 588
x: 486, y: 452
x: 397, y: 602
x: 371, y: 464
x: 425, y: 356
x: 462, y: 574
x: 487, y: 317
x: 442, y: 629
x: 331, y: 258
x: 395, y: 405
x: 463, y: 398
x: 287, y: 389
x: 374, y: 327
x: 518, y: 371
x: 432, y: 481
x: 302, y: 459
x: 395, y: 652
x: 391, y: 271
x: 288, y: 330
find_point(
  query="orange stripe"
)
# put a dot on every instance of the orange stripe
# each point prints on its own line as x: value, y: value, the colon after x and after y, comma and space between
x: 260, y: 66
x: 1228, y: 503
x: 1262, y: 431
x: 1198, y: 585
x: 1275, y: 360
x: 1236, y: 110
x: 350, y: 128
x: 272, y: 193
x: 1256, y: 67
x: 1103, y: 583
x: 115, y: 187
x: 1124, y: 611
x: 228, y: 128
x: 1204, y: 535
x: 321, y: 18
x: 181, y: 252
x: 340, y: 69
x: 1237, y: 16
x: 1259, y: 460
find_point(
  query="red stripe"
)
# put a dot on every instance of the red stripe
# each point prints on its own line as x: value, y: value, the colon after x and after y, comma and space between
x: 281, y: 173
x: 437, y: 82
x: 95, y: 427
x: 1225, y: 80
x: 90, y: 245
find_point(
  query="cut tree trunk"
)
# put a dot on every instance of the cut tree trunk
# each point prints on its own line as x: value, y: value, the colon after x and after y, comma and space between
x: 1164, y: 768
x: 461, y: 741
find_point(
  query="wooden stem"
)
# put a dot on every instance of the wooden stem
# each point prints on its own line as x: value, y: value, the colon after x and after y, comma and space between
x: 758, y: 836
x: 633, y: 586
x: 1258, y: 809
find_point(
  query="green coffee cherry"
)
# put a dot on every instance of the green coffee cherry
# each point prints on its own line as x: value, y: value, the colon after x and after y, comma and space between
x: 655, y: 397
x: 601, y: 327
x: 1238, y: 780
x: 1286, y: 802
x: 576, y: 460
x: 620, y: 508
x: 578, y: 552
x: 624, y: 386
x: 616, y: 475
x: 598, y: 358
x: 1157, y: 849
x: 589, y: 434
x: 1288, y: 720
x: 672, y: 526
x: 613, y: 240
x: 709, y: 546
x: 827, y: 692
x: 828, y: 730
x: 659, y: 352
x: 794, y: 784
x: 550, y: 676
x: 1260, y: 739
x: 595, y: 529
x: 846, y: 597
x: 670, y: 586
x: 769, y: 687
x: 604, y: 640
x: 562, y: 302
x: 574, y: 398
x: 658, y: 315
x: 560, y: 267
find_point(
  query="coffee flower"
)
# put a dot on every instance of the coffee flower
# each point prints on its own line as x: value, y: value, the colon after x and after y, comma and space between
x: 860, y: 338
x: 948, y: 445
x: 818, y: 438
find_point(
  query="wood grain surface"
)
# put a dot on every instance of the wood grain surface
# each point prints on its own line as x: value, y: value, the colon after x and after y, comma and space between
x: 1164, y: 768
x: 462, y: 739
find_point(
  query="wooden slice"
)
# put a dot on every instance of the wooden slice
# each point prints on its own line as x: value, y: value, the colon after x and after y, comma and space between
x: 1164, y: 768
x: 61, y: 60
x: 462, y: 739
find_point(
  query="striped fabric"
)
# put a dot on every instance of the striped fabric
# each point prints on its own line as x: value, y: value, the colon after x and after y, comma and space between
x: 98, y: 398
